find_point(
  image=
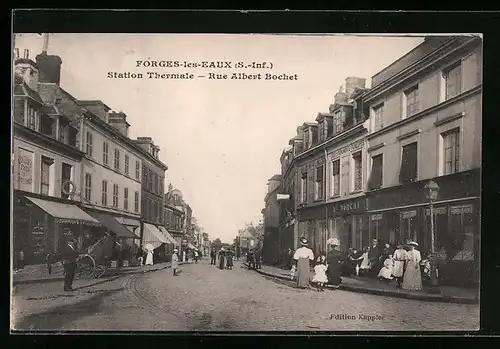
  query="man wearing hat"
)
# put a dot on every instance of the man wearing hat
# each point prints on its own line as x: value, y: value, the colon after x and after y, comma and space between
x: 69, y: 258
x: 303, y: 257
x: 374, y: 255
x: 334, y: 259
x: 175, y: 262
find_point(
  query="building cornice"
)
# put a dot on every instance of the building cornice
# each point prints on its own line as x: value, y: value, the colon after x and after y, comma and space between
x: 427, y: 62
x: 47, y: 142
x: 428, y: 111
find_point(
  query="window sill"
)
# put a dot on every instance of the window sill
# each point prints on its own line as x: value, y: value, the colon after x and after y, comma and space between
x: 356, y: 191
x: 335, y: 196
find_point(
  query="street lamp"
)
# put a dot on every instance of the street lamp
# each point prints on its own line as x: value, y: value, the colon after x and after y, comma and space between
x: 431, y: 193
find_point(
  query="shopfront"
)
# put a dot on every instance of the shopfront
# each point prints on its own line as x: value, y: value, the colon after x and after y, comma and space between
x: 402, y: 213
x: 153, y: 236
x: 169, y: 248
x: 347, y: 222
x: 41, y: 226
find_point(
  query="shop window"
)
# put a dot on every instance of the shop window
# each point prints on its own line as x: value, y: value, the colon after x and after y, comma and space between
x: 463, y: 232
x: 319, y: 183
x: 409, y: 225
x: 376, y: 175
x: 375, y: 226
x: 442, y: 235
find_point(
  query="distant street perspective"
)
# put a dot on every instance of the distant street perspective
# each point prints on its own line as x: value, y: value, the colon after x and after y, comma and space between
x: 205, y: 298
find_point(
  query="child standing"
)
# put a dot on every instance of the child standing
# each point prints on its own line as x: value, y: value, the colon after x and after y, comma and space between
x: 175, y: 262
x: 320, y: 278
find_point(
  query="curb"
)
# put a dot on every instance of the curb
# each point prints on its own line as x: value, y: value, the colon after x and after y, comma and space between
x: 389, y: 293
x: 105, y: 278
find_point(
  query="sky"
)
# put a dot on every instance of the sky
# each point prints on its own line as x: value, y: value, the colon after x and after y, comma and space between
x: 221, y: 139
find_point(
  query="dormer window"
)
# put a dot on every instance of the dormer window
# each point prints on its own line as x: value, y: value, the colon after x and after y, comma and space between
x: 307, y: 140
x: 32, y: 118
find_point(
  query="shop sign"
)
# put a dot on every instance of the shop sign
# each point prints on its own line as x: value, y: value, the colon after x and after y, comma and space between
x: 436, y: 211
x: 38, y: 237
x: 409, y: 214
x: 348, y: 148
x: 376, y: 217
x: 347, y: 207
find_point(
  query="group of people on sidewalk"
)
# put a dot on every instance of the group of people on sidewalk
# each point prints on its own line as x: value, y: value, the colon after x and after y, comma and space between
x: 225, y: 258
x: 402, y: 265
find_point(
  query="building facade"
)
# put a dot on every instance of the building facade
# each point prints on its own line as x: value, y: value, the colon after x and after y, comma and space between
x: 174, y: 213
x: 426, y: 125
x: 272, y: 246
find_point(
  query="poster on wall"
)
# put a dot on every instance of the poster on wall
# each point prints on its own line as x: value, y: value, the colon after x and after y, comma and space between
x: 38, y: 240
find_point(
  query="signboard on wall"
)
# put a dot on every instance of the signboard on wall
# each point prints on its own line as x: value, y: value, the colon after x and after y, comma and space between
x: 38, y: 239
x: 25, y: 170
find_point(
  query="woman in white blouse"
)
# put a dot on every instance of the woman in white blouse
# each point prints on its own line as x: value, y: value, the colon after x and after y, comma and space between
x: 412, y: 279
x: 303, y: 256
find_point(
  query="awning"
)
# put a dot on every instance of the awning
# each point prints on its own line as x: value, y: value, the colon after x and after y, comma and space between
x: 168, y: 236
x: 65, y: 213
x: 113, y: 225
x: 191, y: 246
x: 153, y: 236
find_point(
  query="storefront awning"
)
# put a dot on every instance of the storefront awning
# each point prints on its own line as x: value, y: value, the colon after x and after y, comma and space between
x: 113, y: 225
x: 191, y: 246
x: 153, y: 236
x: 169, y: 237
x: 65, y: 213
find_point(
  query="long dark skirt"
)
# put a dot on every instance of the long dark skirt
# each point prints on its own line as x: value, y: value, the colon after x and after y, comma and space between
x: 333, y: 273
x: 303, y: 272
x: 229, y: 262
x: 221, y: 262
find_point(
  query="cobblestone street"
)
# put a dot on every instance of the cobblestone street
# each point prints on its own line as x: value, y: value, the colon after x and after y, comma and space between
x: 204, y: 298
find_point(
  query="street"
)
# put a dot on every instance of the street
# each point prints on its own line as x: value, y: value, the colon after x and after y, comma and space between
x: 204, y: 298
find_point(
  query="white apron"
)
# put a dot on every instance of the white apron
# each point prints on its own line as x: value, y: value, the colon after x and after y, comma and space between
x: 149, y: 258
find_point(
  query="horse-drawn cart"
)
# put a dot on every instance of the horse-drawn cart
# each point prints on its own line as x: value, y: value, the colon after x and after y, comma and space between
x: 93, y: 264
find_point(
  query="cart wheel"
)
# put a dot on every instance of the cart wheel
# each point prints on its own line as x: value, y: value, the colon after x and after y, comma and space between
x: 99, y: 271
x: 85, y: 268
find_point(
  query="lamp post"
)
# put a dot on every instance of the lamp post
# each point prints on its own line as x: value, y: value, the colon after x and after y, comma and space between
x: 431, y: 192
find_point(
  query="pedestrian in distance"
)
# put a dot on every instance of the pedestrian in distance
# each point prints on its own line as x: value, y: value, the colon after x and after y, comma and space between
x: 229, y: 259
x: 175, y: 262
x: 196, y: 256
x: 399, y: 258
x: 251, y: 259
x: 21, y: 259
x: 213, y: 256
x: 69, y: 257
x: 258, y: 259
x: 320, y: 278
x: 412, y: 279
x: 303, y: 257
x: 222, y: 258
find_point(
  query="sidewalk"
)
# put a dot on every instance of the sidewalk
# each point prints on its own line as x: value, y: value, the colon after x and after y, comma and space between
x: 363, y: 285
x: 39, y: 274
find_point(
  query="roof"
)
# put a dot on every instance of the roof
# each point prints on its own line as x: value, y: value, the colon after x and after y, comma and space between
x: 24, y: 90
x: 64, y: 213
x: 276, y: 177
x: 309, y: 124
x: 322, y: 115
x: 246, y: 234
x: 93, y: 102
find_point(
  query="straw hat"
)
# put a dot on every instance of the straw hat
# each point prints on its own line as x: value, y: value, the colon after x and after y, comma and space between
x: 333, y: 242
x: 413, y: 243
x: 304, y: 241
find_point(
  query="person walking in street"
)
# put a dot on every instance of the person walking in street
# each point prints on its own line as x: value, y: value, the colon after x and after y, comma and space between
x: 303, y: 257
x: 334, y: 261
x: 229, y: 259
x: 213, y: 256
x: 196, y: 256
x: 258, y: 259
x: 320, y: 278
x: 69, y: 257
x: 412, y: 279
x: 222, y: 258
x: 399, y: 258
x: 251, y: 259
x: 175, y: 262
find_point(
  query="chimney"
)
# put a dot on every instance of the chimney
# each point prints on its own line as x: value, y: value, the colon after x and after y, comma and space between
x: 25, y: 70
x: 119, y: 121
x: 340, y: 97
x: 145, y: 143
x: 49, y: 67
x: 352, y: 82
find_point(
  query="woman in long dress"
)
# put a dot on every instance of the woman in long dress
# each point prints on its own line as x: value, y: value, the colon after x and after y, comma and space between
x: 303, y: 257
x: 221, y: 259
x: 399, y: 258
x: 412, y: 279
x: 334, y: 263
x: 149, y: 256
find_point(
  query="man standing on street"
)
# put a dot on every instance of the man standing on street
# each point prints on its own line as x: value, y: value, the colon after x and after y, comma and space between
x: 213, y: 256
x: 69, y: 257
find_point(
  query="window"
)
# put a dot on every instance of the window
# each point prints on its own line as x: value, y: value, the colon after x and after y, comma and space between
x: 376, y: 175
x: 409, y: 165
x: 137, y: 170
x: 105, y: 153
x: 150, y: 180
x: 117, y: 159
x: 378, y: 117
x: 451, y: 151
x: 335, y: 178
x: 88, y: 187
x: 156, y: 183
x: 115, y: 195
x: 345, y: 176
x: 358, y: 171
x: 127, y: 164
x: 45, y: 175
x: 337, y: 122
x: 88, y: 143
x: 321, y: 130
x: 65, y: 178
x: 319, y: 183
x: 462, y: 228
x: 32, y: 118
x: 358, y: 232
x: 411, y: 101
x: 375, y: 225
x: 125, y: 199
x: 303, y: 188
x: 409, y: 226
x: 104, y: 195
x: 453, y: 80
x: 136, y: 202
x: 307, y: 141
